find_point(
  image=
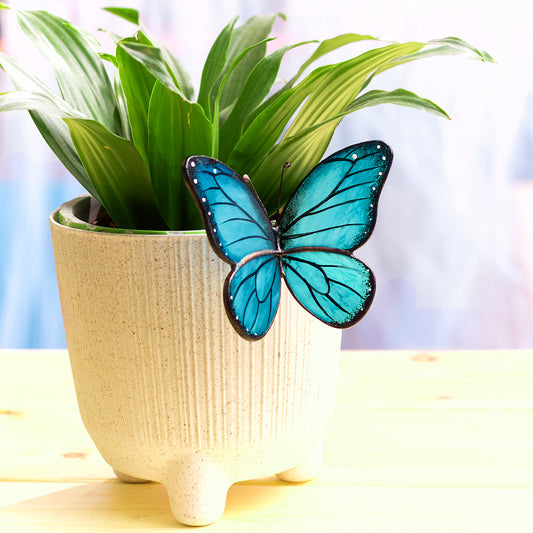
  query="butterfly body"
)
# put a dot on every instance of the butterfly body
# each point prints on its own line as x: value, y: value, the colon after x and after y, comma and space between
x: 310, y: 243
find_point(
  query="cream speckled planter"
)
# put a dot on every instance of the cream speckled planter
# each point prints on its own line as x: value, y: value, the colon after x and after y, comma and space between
x: 166, y: 388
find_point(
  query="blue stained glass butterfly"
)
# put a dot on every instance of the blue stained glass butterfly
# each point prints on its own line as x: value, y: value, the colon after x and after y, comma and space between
x: 310, y: 244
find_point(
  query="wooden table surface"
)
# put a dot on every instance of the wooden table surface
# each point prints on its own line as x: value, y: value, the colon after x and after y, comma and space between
x: 420, y: 442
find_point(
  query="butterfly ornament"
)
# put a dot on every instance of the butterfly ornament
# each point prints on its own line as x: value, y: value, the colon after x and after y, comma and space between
x: 309, y: 243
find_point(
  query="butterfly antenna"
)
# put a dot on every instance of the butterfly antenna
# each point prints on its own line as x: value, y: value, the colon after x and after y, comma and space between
x: 286, y: 166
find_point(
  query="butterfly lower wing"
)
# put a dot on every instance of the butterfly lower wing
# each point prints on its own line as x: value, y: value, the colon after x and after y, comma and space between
x: 252, y: 293
x: 336, y: 204
x: 332, y: 285
x: 236, y: 221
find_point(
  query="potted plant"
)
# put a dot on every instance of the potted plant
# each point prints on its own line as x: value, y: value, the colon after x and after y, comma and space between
x: 166, y: 387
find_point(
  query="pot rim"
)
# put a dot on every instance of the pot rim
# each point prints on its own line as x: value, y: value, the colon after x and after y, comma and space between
x: 68, y: 216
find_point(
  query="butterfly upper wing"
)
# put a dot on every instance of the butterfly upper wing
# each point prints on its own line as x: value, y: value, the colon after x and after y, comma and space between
x: 335, y: 205
x: 241, y: 233
x: 235, y: 220
x: 332, y: 285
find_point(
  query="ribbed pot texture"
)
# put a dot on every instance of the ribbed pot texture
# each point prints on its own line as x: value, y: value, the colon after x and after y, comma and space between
x: 166, y: 388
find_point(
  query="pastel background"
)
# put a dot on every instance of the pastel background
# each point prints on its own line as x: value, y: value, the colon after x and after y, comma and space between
x: 452, y: 251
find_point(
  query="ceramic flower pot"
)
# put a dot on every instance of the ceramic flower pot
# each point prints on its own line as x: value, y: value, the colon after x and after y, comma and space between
x: 166, y: 388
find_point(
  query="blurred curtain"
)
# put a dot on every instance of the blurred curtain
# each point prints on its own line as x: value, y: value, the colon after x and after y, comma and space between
x: 452, y: 249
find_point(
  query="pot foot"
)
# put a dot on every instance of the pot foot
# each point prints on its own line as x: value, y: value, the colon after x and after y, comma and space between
x: 197, y: 490
x: 308, y: 469
x: 128, y: 479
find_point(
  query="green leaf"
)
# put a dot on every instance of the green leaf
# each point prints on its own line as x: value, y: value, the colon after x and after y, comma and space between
x: 79, y: 71
x: 50, y: 125
x: 372, y: 98
x: 127, y: 13
x: 325, y: 47
x: 174, y: 65
x: 214, y: 65
x: 179, y: 73
x: 297, y: 146
x: 330, y: 45
x: 432, y: 50
x: 109, y: 57
x: 463, y: 47
x: 35, y: 101
x: 337, y: 89
x: 340, y: 87
x: 260, y: 137
x: 137, y: 83
x: 152, y: 59
x: 248, y: 36
x: 216, y: 107
x: 118, y: 173
x: 398, y: 97
x: 256, y: 88
x: 303, y: 152
x: 122, y: 107
x: 177, y: 129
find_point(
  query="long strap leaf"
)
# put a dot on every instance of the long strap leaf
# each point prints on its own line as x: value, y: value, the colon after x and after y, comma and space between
x: 50, y: 124
x: 397, y: 97
x: 259, y: 138
x: 255, y: 89
x: 214, y: 65
x: 220, y: 94
x: 153, y: 60
x: 177, y: 129
x: 338, y: 88
x: 343, y: 83
x: 118, y: 173
x: 252, y: 35
x: 137, y: 83
x: 79, y: 71
x: 325, y: 47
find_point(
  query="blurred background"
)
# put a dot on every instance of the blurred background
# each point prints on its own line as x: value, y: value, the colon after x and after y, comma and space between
x: 452, y: 251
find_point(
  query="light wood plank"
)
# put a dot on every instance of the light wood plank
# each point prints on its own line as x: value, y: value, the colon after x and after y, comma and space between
x: 426, y: 442
x: 40, y: 423
x: 498, y: 379
x: 273, y: 506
